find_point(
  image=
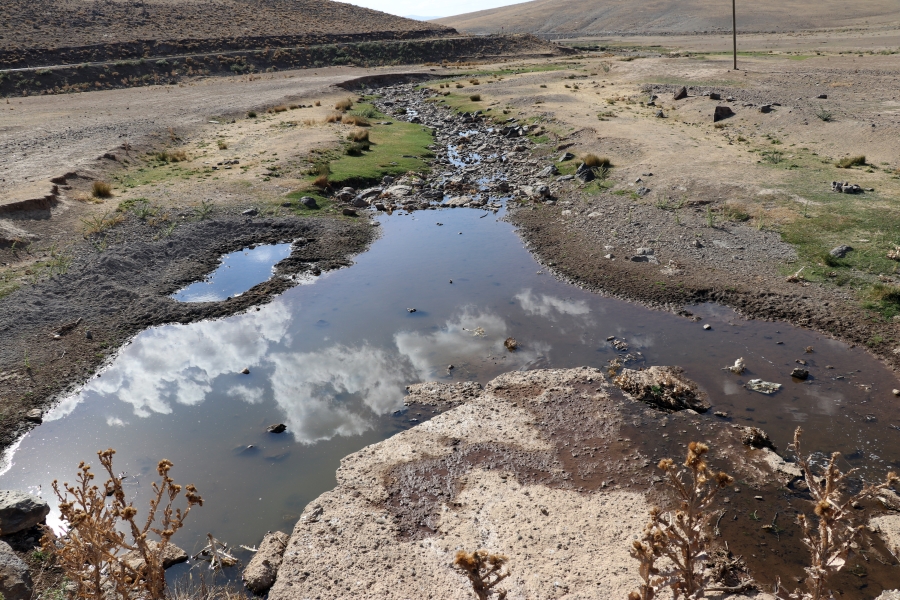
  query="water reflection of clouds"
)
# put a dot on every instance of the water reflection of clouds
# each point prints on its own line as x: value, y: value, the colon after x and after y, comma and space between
x: 550, y: 306
x: 456, y: 340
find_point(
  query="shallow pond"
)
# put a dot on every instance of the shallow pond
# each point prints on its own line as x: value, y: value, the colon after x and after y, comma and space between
x: 238, y: 272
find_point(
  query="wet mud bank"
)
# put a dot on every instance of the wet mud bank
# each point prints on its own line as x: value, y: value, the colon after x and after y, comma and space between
x: 58, y: 332
x: 552, y: 468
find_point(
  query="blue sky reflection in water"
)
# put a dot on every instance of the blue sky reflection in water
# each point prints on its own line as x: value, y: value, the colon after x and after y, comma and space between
x: 331, y: 361
x: 238, y: 272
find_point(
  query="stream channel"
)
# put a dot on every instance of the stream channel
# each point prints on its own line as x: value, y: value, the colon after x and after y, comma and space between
x: 331, y: 358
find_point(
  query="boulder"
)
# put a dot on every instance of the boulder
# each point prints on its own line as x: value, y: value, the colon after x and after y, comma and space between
x: 543, y: 191
x: 765, y: 108
x: 15, y: 580
x: 308, y: 202
x: 715, y: 96
x: 721, y: 113
x: 841, y: 251
x: 565, y: 156
x: 19, y: 510
x: 680, y: 94
x: 349, y: 212
x: 260, y: 573
x: 888, y: 526
x: 663, y: 387
x: 35, y: 416
x: 548, y: 171
x: 584, y: 173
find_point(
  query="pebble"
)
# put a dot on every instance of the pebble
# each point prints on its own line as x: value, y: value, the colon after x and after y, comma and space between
x: 707, y: 327
x: 245, y: 372
x: 410, y: 310
x: 895, y: 392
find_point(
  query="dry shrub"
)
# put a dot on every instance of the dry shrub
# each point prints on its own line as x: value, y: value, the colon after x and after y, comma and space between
x: 333, y: 118
x: 484, y: 570
x: 594, y: 161
x: 223, y: 145
x: 101, y: 189
x: 830, y: 542
x: 279, y: 109
x: 355, y: 120
x: 309, y: 122
x: 321, y: 181
x: 679, y: 535
x: 358, y: 135
x: 93, y: 552
x: 317, y: 103
x: 344, y: 105
x: 851, y: 161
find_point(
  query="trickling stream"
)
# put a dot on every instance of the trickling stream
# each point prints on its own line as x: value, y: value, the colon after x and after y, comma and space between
x: 331, y: 360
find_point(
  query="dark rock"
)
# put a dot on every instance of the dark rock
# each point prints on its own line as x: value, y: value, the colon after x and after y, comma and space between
x: 565, y: 156
x: 279, y: 428
x: 250, y: 212
x: 19, y: 511
x: 349, y: 212
x: 246, y: 371
x: 287, y: 204
x: 585, y: 173
x: 715, y: 96
x: 840, y: 251
x: 756, y: 438
x: 15, y: 580
x: 543, y: 191
x: 721, y: 113
x: 822, y: 96
x: 664, y: 387
x: 548, y: 171
x: 660, y: 114
x: 35, y: 416
x: 261, y: 572
x: 799, y: 373
x: 765, y: 108
x: 681, y: 94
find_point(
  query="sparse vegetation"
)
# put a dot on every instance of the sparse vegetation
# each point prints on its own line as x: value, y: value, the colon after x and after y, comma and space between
x: 101, y: 189
x: 223, y: 145
x: 594, y: 161
x: 100, y: 223
x: 344, y: 105
x: 94, y: 552
x: 355, y: 120
x: 851, y: 161
x: 252, y: 114
x: 358, y: 135
x: 824, y: 115
x: 484, y: 570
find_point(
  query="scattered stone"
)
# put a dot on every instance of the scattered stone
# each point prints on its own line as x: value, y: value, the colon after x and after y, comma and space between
x: 696, y: 244
x: 895, y: 392
x: 410, y: 310
x: 35, y: 416
x: 279, y: 428
x: 765, y: 108
x: 172, y: 555
x: 707, y: 327
x: 308, y: 202
x: 822, y: 97
x: 644, y: 251
x: 715, y: 96
x: 660, y: 114
x: 260, y: 573
x: 287, y: 204
x: 680, y: 94
x: 565, y: 156
x: 763, y: 387
x: 664, y: 387
x: 642, y: 191
x: 548, y: 171
x: 246, y: 371
x: 799, y: 373
x: 845, y: 187
x: 721, y: 113
x: 15, y: 580
x: 349, y: 212
x: 19, y: 511
x: 250, y: 212
x: 511, y: 344
x: 737, y: 368
x: 720, y: 413
x: 584, y: 173
x: 840, y: 251
x: 756, y: 438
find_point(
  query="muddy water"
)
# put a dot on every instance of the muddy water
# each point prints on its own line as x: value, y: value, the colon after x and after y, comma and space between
x: 331, y: 359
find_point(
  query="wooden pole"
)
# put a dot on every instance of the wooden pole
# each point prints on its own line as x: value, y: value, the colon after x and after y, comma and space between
x: 734, y: 30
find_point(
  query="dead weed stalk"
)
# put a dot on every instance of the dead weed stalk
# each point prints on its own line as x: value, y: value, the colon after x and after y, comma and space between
x: 679, y: 535
x: 94, y: 552
x: 829, y: 542
x: 484, y: 570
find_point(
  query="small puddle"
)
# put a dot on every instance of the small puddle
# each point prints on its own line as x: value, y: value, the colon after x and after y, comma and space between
x: 238, y: 272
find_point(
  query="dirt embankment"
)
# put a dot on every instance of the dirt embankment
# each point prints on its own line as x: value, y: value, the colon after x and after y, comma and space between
x: 554, y: 469
x: 57, y: 332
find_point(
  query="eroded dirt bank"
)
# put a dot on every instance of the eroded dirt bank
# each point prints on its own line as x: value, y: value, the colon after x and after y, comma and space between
x: 57, y: 332
x: 554, y: 469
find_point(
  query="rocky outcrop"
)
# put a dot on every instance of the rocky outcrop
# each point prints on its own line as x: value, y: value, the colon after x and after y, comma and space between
x: 15, y: 581
x: 548, y: 468
x: 260, y: 573
x: 19, y: 510
x: 663, y: 387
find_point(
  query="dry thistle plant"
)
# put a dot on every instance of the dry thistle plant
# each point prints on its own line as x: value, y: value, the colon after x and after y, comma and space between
x: 830, y: 542
x: 94, y: 553
x: 679, y: 536
x: 484, y: 570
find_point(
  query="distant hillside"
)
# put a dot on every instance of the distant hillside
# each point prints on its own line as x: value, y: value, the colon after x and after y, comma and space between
x: 673, y: 16
x: 26, y: 24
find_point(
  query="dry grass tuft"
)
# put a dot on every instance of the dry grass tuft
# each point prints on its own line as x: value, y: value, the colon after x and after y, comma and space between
x: 101, y: 189
x: 355, y: 120
x: 592, y: 160
x: 344, y: 105
x: 851, y: 161
x: 321, y: 182
x: 223, y: 145
x: 333, y: 118
x: 358, y: 135
x: 309, y: 122
x: 279, y: 109
x: 94, y: 552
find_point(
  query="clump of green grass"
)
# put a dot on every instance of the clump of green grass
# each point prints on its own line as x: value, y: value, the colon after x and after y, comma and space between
x: 101, y: 189
x: 366, y: 112
x: 167, y: 156
x: 475, y: 97
x: 357, y: 148
x: 343, y: 105
x: 597, y: 162
x: 851, y: 161
x: 824, y: 115
x: 772, y: 156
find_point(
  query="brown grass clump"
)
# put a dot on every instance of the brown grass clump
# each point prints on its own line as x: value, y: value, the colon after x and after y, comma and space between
x: 831, y: 541
x: 484, y: 570
x: 594, y: 161
x: 344, y: 105
x: 101, y: 189
x: 223, y: 145
x: 679, y: 535
x: 309, y: 122
x: 321, y: 182
x: 475, y: 97
x: 851, y: 161
x: 358, y: 135
x: 333, y: 118
x: 355, y: 120
x: 278, y: 109
x: 474, y: 82
x: 459, y: 85
x: 94, y: 551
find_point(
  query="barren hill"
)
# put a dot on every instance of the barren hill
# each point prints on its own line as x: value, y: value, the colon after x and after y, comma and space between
x: 592, y: 17
x: 27, y: 25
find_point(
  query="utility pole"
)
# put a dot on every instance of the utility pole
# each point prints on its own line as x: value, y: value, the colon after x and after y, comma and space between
x: 734, y: 29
